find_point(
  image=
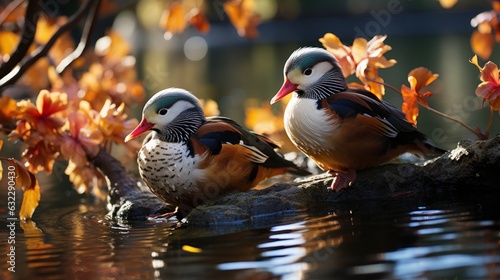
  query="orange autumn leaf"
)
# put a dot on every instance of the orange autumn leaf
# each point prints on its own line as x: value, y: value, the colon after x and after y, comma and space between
x: 333, y: 44
x: 83, y: 139
x: 173, y: 19
x: 44, y: 114
x: 261, y: 119
x: 8, y: 112
x: 482, y: 44
x: 8, y: 41
x: 363, y: 58
x: 447, y: 4
x: 40, y: 156
x: 410, y: 105
x: 418, y: 78
x: 16, y: 14
x: 369, y: 57
x: 86, y: 178
x: 112, y: 122
x: 210, y: 107
x: 241, y: 14
x: 112, y: 47
x: 45, y: 30
x: 489, y: 88
x: 198, y: 20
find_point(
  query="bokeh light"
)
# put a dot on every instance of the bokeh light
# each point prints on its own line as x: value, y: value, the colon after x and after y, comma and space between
x: 195, y: 48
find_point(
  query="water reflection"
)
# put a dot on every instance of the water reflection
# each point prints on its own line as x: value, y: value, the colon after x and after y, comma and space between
x: 395, y: 239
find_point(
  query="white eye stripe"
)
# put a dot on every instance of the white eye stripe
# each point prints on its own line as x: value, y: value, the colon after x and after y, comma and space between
x: 165, y: 116
x: 305, y: 79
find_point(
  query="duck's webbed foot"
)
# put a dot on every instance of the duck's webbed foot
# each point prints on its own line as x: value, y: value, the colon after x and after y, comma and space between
x: 342, y: 179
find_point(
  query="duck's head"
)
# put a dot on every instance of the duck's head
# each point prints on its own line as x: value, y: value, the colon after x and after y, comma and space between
x: 312, y: 73
x: 174, y: 113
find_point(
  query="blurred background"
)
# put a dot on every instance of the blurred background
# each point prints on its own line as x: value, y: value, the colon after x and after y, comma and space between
x: 238, y: 72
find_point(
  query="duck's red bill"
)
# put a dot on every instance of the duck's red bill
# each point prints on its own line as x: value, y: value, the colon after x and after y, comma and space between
x: 285, y: 89
x: 144, y: 126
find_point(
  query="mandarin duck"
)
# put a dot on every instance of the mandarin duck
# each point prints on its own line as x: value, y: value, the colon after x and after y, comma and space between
x: 342, y: 129
x: 188, y: 158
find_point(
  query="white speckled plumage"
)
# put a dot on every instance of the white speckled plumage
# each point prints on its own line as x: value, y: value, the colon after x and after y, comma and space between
x: 169, y: 167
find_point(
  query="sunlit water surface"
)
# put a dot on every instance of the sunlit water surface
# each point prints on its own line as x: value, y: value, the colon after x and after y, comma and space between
x: 436, y: 237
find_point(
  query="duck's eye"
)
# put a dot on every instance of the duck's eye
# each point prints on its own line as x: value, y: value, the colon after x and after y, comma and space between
x: 163, y: 111
x: 308, y: 71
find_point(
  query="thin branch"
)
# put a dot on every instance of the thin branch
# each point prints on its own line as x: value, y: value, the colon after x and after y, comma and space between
x: 476, y: 132
x: 26, y: 39
x: 9, y: 9
x: 40, y: 52
x: 84, y: 40
x: 490, y: 121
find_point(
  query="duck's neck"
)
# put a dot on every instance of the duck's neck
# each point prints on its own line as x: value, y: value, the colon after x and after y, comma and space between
x: 181, y: 129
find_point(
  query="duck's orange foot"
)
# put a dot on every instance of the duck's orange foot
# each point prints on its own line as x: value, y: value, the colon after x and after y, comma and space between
x: 342, y: 179
x: 164, y: 215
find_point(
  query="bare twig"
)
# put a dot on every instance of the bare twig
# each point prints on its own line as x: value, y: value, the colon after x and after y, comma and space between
x: 480, y: 135
x: 25, y: 40
x: 84, y: 40
x: 40, y: 52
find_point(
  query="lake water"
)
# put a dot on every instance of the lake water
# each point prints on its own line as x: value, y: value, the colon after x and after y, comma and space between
x: 444, y: 236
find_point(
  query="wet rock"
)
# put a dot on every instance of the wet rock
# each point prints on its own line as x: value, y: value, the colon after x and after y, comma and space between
x: 128, y: 199
x: 473, y: 164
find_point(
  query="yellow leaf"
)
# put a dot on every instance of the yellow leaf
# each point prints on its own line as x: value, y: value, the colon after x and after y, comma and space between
x: 210, y: 107
x: 8, y: 41
x: 31, y: 197
x: 482, y: 44
x: 173, y: 20
x: 29, y: 184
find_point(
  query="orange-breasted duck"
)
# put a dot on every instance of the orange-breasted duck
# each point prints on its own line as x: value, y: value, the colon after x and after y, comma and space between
x: 189, y: 158
x: 342, y: 129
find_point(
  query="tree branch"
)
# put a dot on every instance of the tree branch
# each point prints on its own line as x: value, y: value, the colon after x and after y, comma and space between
x: 40, y: 52
x: 84, y: 40
x: 9, y: 9
x: 26, y: 39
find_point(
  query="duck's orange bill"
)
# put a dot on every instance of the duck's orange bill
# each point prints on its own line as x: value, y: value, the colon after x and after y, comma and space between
x: 285, y: 89
x: 140, y: 129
